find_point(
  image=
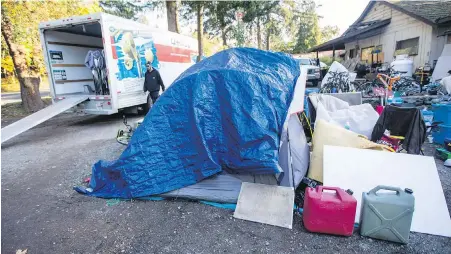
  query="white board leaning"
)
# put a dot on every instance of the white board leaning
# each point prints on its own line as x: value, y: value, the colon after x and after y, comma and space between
x: 361, y: 170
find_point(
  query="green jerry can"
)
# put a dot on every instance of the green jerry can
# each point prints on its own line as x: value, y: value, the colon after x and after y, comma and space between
x: 387, y: 215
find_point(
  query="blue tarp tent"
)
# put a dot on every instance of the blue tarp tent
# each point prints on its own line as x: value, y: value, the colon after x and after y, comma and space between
x: 224, y: 113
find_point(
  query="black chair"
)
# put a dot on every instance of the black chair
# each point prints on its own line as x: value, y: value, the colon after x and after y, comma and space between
x: 407, y: 124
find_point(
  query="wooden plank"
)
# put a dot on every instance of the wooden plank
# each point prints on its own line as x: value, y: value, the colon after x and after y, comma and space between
x: 72, y: 81
x: 74, y: 45
x: 68, y: 65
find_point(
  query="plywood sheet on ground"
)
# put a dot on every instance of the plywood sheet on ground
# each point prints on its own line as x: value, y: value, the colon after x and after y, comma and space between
x: 267, y: 204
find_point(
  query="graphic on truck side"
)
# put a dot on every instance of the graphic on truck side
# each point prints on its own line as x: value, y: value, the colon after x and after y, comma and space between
x: 132, y: 51
x: 170, y: 54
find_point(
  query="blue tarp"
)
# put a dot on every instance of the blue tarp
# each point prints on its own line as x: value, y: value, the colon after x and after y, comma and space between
x: 225, y: 112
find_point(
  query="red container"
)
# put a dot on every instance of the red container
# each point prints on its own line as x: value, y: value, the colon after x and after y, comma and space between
x: 379, y: 109
x: 329, y: 212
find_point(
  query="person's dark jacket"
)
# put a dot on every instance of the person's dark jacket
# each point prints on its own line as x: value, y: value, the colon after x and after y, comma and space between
x: 153, y: 81
x: 405, y: 122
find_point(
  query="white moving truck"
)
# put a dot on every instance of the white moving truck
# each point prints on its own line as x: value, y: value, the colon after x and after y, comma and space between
x: 111, y: 78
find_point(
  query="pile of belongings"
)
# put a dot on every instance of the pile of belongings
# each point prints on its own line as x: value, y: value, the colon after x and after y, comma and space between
x: 229, y: 128
x: 342, y: 121
x: 227, y: 119
x: 338, y: 80
x: 351, y: 114
x: 407, y: 86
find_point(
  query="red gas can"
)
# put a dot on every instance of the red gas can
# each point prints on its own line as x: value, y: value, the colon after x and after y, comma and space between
x: 329, y: 212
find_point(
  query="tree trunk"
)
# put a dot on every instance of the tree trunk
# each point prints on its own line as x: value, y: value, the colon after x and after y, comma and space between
x: 268, y: 30
x: 177, y: 19
x: 200, y: 30
x: 29, y: 92
x: 173, y: 16
x: 267, y: 39
x: 259, y: 36
x: 28, y: 79
x: 251, y: 35
x: 224, y: 37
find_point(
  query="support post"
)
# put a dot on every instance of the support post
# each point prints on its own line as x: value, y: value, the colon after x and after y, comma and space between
x: 333, y: 52
x: 317, y: 58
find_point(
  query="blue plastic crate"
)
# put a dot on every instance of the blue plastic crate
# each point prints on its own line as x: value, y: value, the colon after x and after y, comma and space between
x: 442, y: 113
x: 443, y: 131
x: 427, y: 116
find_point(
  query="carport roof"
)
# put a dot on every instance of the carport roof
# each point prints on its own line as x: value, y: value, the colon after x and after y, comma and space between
x: 360, y: 31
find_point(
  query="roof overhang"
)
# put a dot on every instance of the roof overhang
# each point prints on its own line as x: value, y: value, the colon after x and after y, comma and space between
x: 391, y: 5
x: 339, y: 43
x: 444, y: 21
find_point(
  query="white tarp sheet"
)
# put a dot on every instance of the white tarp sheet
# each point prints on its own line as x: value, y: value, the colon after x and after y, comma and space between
x: 294, y: 155
x: 358, y: 118
x: 443, y: 64
x: 361, y: 170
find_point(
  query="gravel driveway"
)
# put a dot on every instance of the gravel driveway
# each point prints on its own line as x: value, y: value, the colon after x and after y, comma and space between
x: 41, y: 212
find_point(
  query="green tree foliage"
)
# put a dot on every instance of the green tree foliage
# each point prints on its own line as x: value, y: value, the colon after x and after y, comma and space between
x: 329, y: 32
x: 25, y: 17
x: 280, y: 26
x: 257, y: 9
x: 135, y: 10
x: 212, y: 45
x: 221, y: 19
x: 7, y: 61
x: 20, y: 34
x: 274, y: 24
x: 257, y: 12
x: 126, y: 9
x: 308, y: 34
x: 239, y: 34
x: 197, y: 9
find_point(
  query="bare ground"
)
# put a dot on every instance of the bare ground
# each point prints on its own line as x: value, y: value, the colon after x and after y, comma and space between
x: 42, y: 213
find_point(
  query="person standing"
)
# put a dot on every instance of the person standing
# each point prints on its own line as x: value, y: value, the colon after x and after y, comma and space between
x: 153, y: 82
x: 446, y: 82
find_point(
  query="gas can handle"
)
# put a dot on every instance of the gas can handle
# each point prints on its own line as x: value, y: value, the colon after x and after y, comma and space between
x: 384, y: 187
x: 339, y: 191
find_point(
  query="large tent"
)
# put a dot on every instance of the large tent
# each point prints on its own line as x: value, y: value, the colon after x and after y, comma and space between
x: 230, y: 118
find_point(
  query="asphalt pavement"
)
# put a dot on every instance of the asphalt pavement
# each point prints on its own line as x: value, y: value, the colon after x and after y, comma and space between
x: 42, y: 213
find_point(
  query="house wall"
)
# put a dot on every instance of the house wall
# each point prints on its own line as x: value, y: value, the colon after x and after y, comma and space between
x: 401, y: 27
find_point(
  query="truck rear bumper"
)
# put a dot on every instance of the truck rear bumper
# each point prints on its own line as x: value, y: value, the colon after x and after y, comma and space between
x: 97, y: 107
x: 99, y: 112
